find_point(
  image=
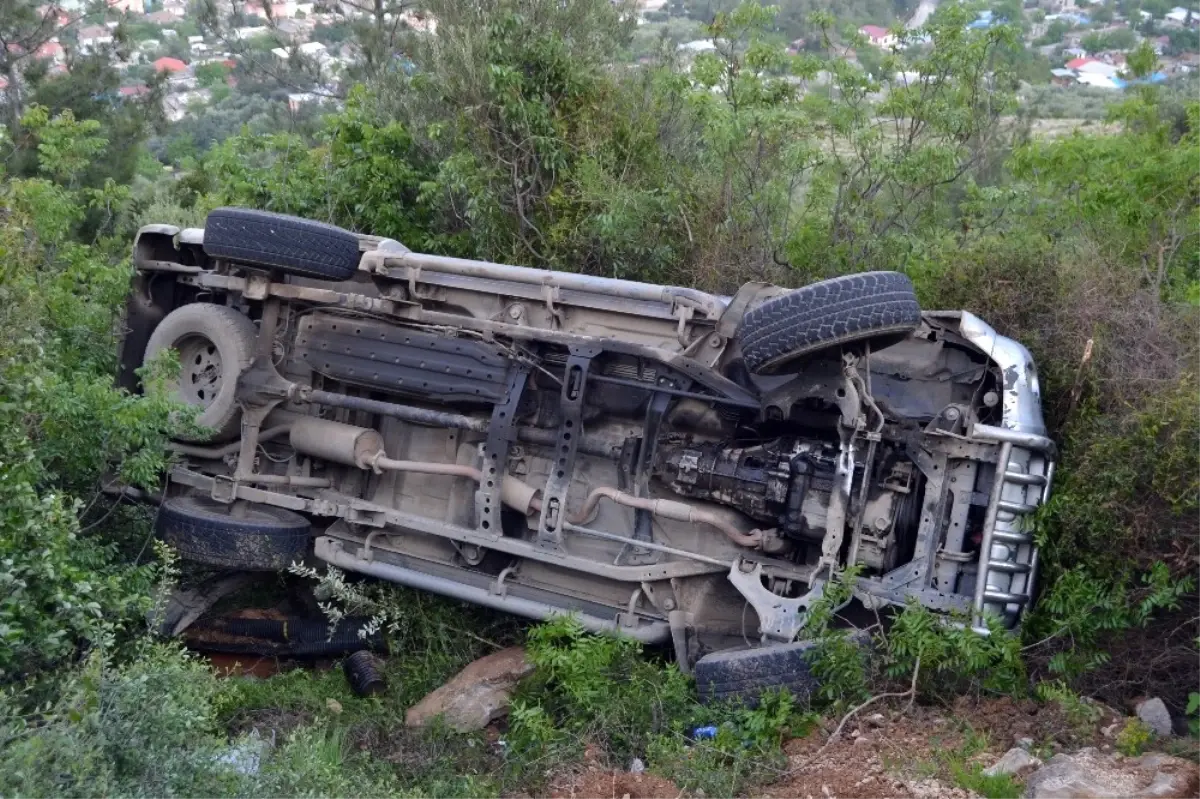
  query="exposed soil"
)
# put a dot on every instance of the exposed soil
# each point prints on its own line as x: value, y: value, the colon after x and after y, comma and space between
x: 602, y: 784
x: 885, y: 751
x: 227, y: 665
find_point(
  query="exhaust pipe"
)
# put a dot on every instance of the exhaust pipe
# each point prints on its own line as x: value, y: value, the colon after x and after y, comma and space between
x: 363, y: 448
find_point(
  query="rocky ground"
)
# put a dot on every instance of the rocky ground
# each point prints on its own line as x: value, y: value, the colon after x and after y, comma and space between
x: 923, y: 752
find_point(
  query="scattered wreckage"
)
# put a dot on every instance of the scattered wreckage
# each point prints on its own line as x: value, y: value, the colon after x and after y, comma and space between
x: 680, y: 467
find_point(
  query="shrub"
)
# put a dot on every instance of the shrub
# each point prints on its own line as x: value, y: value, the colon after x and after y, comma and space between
x: 597, y: 688
x: 143, y: 729
x: 65, y: 431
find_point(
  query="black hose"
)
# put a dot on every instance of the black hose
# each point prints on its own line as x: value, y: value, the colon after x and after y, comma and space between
x: 364, y: 674
x: 292, y: 636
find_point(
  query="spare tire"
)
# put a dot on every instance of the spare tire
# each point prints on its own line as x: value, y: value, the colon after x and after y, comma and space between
x: 215, y: 344
x: 201, y: 529
x: 844, y: 310
x: 277, y: 241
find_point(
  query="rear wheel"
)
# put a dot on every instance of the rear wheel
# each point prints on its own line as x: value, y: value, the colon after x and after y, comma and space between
x: 262, y: 538
x: 880, y: 306
x: 215, y: 345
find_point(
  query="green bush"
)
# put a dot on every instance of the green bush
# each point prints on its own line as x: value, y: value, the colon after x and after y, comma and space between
x: 595, y: 688
x: 66, y: 582
x: 143, y: 729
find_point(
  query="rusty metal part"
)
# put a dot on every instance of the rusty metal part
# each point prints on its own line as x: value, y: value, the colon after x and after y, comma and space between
x: 345, y: 507
x: 514, y: 493
x: 667, y: 509
x: 334, y: 441
x: 291, y: 291
x: 287, y: 480
x: 593, y: 445
x: 363, y: 447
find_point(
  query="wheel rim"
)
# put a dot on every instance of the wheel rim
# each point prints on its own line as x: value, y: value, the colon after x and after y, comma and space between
x: 201, y: 374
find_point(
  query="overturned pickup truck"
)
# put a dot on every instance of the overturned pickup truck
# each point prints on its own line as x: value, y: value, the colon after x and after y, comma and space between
x: 680, y: 467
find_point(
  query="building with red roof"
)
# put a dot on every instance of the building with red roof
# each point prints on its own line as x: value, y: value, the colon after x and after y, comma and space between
x: 168, y: 64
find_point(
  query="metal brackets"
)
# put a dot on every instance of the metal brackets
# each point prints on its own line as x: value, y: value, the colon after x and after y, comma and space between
x: 642, y: 529
x: 554, y: 499
x: 779, y: 617
x: 501, y: 432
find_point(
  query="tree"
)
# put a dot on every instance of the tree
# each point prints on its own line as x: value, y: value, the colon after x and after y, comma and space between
x: 1138, y: 191
x: 1119, y: 39
x: 1055, y: 32
x: 212, y: 74
x: 90, y: 91
x: 24, y: 30
x: 63, y: 425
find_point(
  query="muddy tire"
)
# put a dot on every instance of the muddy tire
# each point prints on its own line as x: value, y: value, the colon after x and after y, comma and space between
x: 202, y: 530
x: 286, y: 243
x: 880, y: 306
x: 215, y: 345
x: 742, y: 675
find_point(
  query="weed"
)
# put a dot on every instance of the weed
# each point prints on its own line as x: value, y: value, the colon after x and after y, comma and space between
x: 993, y: 786
x: 726, y: 765
x: 957, y: 763
x: 1133, y: 738
x: 953, y: 656
x: 838, y: 661
x: 1193, y: 713
x: 1078, y: 710
x: 597, y: 688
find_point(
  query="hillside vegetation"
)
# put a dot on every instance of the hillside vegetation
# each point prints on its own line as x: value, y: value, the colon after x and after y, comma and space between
x: 516, y: 139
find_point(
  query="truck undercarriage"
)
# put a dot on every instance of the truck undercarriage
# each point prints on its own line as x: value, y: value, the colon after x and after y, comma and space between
x: 673, y: 465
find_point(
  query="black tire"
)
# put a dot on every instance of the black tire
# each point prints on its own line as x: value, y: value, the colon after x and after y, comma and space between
x: 202, y: 530
x: 743, y: 675
x: 287, y: 243
x: 215, y: 345
x: 844, y: 310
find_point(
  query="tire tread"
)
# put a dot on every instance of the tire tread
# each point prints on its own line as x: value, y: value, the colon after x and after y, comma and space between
x: 289, y: 243
x: 839, y: 311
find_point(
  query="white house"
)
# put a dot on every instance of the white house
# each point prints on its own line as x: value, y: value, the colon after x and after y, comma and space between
x: 880, y: 37
x: 250, y: 32
x: 298, y: 99
x: 1180, y: 16
x: 698, y: 46
x: 93, y: 36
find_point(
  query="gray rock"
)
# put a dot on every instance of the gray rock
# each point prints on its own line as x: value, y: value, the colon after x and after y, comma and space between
x: 1025, y: 743
x: 637, y: 766
x: 1092, y: 774
x: 1154, y: 714
x: 1016, y: 762
x: 245, y: 756
x: 475, y: 696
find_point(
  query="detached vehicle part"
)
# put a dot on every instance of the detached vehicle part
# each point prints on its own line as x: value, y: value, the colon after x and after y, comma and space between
x: 669, y: 464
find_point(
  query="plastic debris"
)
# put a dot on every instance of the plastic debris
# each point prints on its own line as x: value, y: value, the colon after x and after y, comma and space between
x: 703, y: 733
